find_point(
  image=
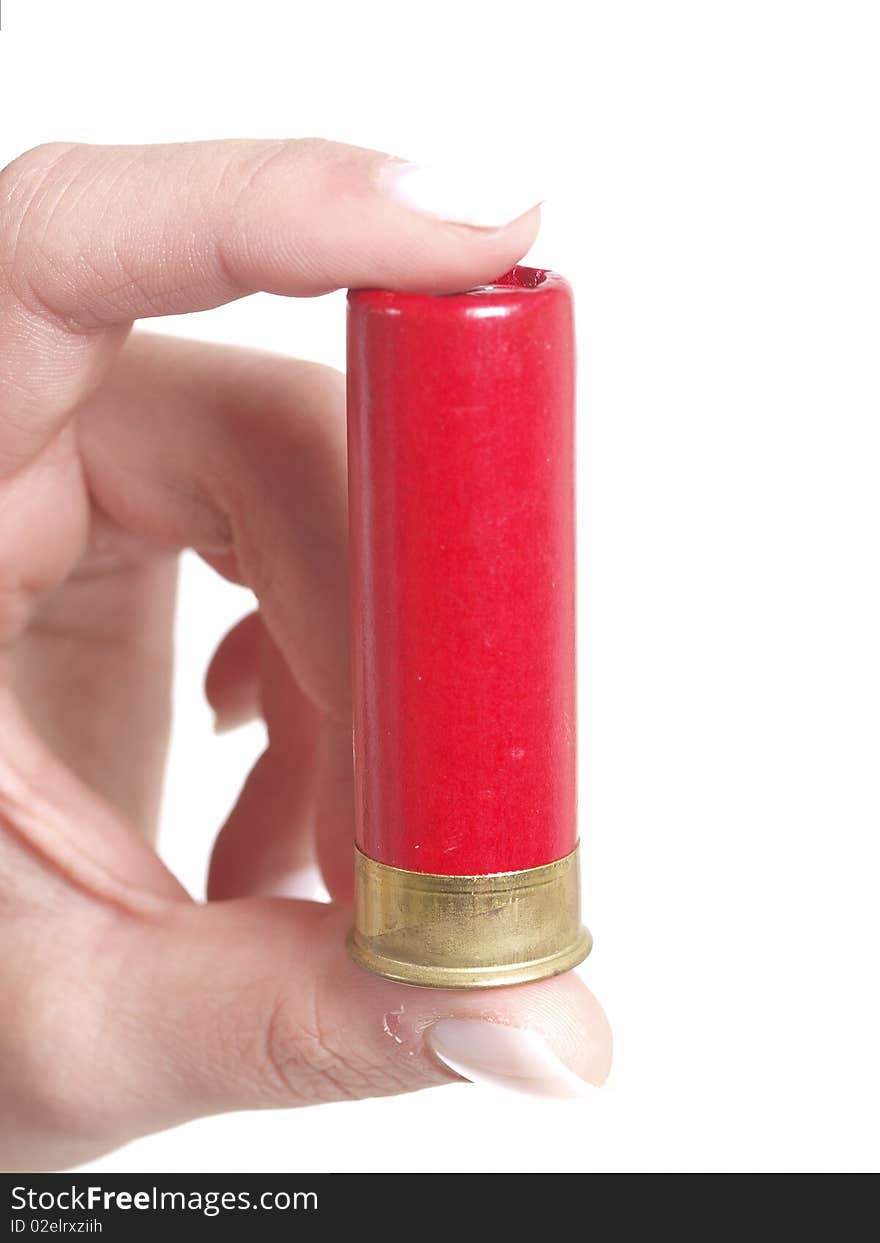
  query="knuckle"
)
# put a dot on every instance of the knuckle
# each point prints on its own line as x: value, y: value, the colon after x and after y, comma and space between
x: 31, y: 188
x: 309, y: 1062
x: 264, y: 161
x: 30, y: 169
x: 300, y: 1061
x: 308, y: 391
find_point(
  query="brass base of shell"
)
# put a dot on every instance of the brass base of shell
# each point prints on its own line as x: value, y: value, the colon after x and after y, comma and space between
x: 468, y: 931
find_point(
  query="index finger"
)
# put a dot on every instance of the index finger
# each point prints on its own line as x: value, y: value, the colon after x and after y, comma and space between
x: 92, y: 238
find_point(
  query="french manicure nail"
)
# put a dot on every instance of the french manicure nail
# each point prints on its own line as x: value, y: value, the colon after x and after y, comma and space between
x: 462, y: 195
x: 225, y: 722
x: 306, y: 882
x: 505, y: 1057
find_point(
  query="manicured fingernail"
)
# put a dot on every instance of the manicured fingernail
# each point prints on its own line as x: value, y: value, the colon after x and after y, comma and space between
x: 225, y: 722
x: 505, y: 1057
x: 304, y: 882
x: 474, y: 196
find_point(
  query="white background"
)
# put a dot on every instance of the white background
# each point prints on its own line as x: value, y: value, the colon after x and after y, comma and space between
x: 712, y: 170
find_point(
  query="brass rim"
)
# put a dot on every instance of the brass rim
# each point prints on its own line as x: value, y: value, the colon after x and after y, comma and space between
x: 468, y: 931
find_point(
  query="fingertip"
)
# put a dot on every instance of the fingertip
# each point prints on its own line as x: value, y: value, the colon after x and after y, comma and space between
x: 474, y: 195
x: 549, y: 1038
x: 403, y: 226
x: 444, y: 257
x: 231, y: 680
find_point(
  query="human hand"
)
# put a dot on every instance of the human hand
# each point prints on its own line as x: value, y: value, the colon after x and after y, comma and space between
x: 126, y: 1007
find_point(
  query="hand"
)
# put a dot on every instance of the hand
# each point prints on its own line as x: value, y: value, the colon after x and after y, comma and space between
x: 126, y: 1007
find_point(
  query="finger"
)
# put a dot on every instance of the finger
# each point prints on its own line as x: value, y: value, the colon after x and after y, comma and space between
x: 192, y: 445
x: 255, y: 1004
x: 300, y: 789
x: 95, y: 237
x: 52, y: 818
x: 267, y: 845
x: 95, y: 653
x: 334, y: 812
x: 269, y: 837
x: 237, y: 453
x: 232, y: 683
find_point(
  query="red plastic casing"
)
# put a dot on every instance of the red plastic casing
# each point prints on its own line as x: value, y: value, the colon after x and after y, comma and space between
x: 461, y: 491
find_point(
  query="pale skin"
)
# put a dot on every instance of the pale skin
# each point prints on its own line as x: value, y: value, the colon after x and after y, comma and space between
x: 126, y: 1006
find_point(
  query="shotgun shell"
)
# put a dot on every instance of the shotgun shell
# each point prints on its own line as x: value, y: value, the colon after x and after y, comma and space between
x: 461, y: 492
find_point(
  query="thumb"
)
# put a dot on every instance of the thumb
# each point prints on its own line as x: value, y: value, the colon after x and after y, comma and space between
x: 254, y: 1003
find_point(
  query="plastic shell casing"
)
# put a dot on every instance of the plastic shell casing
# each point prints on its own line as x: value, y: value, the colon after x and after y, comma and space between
x: 461, y: 496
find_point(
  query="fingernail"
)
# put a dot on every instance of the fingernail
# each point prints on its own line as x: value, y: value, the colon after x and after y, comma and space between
x: 307, y: 883
x: 504, y: 1057
x: 225, y: 722
x: 474, y: 196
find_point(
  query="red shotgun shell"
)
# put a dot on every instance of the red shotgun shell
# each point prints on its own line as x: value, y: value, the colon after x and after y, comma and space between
x: 461, y: 494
